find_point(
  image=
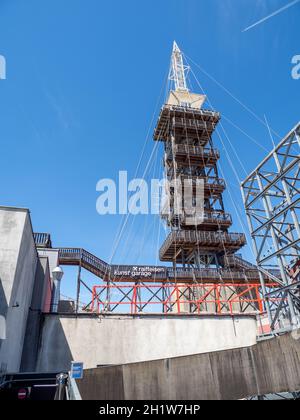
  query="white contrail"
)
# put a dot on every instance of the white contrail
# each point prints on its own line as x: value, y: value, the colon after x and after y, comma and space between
x: 272, y: 15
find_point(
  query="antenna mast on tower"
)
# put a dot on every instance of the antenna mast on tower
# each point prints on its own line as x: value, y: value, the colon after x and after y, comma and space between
x: 178, y: 70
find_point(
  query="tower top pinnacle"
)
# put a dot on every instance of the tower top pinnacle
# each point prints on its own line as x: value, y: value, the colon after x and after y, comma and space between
x: 175, y: 47
x: 180, y: 94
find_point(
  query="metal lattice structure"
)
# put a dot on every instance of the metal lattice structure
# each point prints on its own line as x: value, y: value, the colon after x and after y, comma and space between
x: 178, y: 70
x: 271, y: 196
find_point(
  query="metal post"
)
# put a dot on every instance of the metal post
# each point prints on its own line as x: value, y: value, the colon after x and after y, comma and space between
x: 78, y: 288
x: 61, y: 384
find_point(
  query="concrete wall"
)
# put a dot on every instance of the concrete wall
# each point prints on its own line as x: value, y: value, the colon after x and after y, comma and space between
x: 268, y: 367
x: 118, y: 339
x: 18, y: 261
x: 51, y: 255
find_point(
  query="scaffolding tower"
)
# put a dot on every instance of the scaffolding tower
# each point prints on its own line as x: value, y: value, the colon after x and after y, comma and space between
x: 199, y: 236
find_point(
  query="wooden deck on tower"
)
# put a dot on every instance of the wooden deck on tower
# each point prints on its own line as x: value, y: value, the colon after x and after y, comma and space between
x: 199, y: 123
x: 187, y: 241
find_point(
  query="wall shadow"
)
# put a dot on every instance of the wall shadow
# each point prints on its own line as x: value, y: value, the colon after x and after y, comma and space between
x: 54, y: 352
x: 3, y: 313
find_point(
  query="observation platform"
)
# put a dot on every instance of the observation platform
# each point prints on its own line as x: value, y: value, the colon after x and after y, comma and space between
x: 198, y: 123
x: 186, y: 241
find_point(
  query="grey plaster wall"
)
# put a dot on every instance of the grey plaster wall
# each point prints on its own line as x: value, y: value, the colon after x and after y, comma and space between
x: 117, y: 339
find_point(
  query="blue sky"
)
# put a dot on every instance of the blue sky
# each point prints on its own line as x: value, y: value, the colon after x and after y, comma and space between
x: 84, y: 79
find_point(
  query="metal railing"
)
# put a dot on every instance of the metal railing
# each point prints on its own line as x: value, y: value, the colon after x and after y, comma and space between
x: 194, y: 124
x: 189, y: 275
x: 42, y: 240
x: 194, y: 111
x: 191, y: 174
x: 195, y: 151
x: 78, y: 256
x: 208, y: 274
x: 182, y: 237
x: 211, y: 217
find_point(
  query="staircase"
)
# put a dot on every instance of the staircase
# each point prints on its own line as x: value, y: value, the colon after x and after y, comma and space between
x: 80, y: 257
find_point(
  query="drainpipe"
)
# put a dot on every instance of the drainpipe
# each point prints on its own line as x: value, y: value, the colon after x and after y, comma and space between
x: 57, y: 275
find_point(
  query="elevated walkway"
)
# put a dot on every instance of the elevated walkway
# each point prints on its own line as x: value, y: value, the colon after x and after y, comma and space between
x: 242, y: 271
x: 78, y: 256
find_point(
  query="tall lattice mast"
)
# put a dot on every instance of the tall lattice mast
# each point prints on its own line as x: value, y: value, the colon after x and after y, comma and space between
x: 178, y: 70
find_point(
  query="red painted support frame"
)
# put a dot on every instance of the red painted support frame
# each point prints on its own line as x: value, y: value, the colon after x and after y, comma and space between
x: 209, y: 294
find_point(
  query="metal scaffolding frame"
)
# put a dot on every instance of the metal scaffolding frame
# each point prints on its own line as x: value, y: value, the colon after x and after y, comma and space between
x: 271, y: 195
x: 200, y: 299
x: 199, y: 225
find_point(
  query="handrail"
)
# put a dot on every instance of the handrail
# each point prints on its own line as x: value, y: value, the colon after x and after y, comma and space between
x: 42, y: 240
x: 193, y: 123
x: 193, y: 151
x: 200, y: 111
x: 208, y: 180
x: 197, y: 150
x: 84, y: 258
x: 207, y: 215
x: 192, y: 236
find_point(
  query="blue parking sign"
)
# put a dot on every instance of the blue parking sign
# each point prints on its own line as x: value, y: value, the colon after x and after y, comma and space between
x: 76, y: 370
